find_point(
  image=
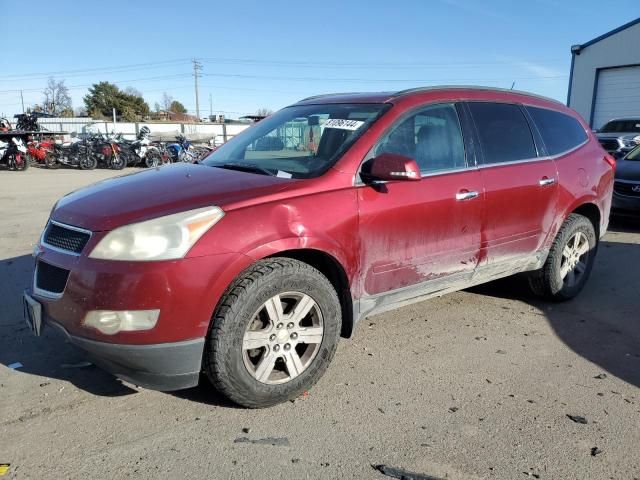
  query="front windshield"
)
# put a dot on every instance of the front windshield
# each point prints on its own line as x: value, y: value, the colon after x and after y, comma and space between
x: 301, y: 141
x: 622, y: 126
x: 634, y: 154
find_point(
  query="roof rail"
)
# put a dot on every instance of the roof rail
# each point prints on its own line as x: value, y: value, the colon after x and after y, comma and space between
x: 472, y: 87
x: 313, y: 97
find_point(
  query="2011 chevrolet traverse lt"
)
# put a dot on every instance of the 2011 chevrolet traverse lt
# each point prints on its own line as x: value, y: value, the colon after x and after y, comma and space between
x: 250, y: 265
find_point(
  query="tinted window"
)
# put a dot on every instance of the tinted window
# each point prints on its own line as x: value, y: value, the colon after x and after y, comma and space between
x: 431, y: 136
x: 622, y: 126
x: 560, y: 132
x: 504, y: 132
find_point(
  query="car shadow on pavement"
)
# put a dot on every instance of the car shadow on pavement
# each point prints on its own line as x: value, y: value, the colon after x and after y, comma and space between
x: 602, y: 324
x: 51, y: 356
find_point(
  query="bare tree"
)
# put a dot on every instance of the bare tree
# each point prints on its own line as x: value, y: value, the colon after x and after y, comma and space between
x: 157, y: 107
x: 133, y: 91
x: 56, y: 97
x: 166, y: 101
x: 264, y: 112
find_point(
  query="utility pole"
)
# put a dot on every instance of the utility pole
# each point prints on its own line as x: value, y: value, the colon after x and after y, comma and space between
x: 197, y: 66
x: 22, y: 101
x: 210, y: 107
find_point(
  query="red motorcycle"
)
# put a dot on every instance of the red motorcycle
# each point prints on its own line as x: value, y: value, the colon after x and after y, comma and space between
x: 42, y: 153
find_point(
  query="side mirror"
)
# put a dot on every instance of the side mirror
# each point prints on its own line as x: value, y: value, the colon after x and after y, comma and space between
x: 390, y: 166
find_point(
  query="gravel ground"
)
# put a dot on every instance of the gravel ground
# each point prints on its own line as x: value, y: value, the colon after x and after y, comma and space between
x: 476, y: 384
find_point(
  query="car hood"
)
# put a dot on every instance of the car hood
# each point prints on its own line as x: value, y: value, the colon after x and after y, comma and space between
x: 628, y: 170
x: 156, y: 192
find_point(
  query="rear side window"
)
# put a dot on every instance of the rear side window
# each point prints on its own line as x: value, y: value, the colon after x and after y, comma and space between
x: 560, y: 132
x: 504, y: 132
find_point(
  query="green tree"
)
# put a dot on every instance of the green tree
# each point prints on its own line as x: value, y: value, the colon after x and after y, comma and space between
x: 177, y: 107
x: 105, y: 96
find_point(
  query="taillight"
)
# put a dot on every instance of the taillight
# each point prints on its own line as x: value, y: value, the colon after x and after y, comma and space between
x: 610, y: 160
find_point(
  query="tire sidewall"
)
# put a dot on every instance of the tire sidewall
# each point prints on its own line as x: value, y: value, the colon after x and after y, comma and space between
x: 557, y: 286
x: 229, y: 349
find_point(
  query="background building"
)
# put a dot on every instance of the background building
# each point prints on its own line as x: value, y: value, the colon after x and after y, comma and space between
x: 605, y: 76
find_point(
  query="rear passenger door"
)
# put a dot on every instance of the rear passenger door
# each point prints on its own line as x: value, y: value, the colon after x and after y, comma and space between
x: 521, y: 184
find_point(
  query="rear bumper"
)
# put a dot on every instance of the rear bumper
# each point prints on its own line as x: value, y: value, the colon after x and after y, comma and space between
x: 162, y: 366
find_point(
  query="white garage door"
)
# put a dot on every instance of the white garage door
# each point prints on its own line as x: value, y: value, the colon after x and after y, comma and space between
x: 617, y: 95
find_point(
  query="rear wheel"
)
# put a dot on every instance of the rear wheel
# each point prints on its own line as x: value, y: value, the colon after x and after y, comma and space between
x: 570, y: 261
x: 273, y: 334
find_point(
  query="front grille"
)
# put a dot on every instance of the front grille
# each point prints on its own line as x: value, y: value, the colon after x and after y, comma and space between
x: 627, y: 189
x: 610, y: 145
x: 51, y: 278
x: 65, y: 238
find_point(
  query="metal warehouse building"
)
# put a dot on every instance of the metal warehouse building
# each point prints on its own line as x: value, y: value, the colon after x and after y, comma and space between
x: 605, y: 76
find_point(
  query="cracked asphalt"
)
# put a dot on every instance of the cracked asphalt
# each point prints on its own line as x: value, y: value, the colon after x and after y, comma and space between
x: 485, y: 383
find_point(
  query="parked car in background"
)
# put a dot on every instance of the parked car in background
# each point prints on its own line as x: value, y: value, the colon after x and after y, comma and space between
x: 620, y: 136
x: 626, y: 188
x: 249, y: 265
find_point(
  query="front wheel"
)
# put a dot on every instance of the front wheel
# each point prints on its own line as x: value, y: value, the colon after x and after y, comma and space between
x: 273, y: 334
x: 570, y: 261
x: 88, y: 162
x: 118, y: 162
x: 153, y: 159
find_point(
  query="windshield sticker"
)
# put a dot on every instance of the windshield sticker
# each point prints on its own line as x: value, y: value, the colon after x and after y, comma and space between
x: 343, y: 124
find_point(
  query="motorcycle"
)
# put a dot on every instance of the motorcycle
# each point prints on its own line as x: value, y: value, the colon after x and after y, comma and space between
x: 108, y: 152
x: 40, y: 152
x: 76, y: 153
x: 182, y: 150
x: 14, y: 154
x: 27, y: 122
x: 141, y: 150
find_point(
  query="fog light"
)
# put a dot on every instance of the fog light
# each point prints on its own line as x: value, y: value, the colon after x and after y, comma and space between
x: 111, y: 322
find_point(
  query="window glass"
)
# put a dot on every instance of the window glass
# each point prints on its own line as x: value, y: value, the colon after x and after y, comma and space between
x: 301, y: 141
x: 560, y: 132
x: 504, y: 132
x: 622, y: 126
x: 431, y: 136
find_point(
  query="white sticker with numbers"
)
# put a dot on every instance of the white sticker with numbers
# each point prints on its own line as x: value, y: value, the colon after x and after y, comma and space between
x: 343, y: 124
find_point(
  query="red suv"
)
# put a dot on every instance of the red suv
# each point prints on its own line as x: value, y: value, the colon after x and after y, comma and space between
x: 249, y: 265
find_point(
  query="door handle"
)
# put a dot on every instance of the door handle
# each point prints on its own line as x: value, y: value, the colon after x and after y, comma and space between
x: 546, y: 181
x: 466, y: 195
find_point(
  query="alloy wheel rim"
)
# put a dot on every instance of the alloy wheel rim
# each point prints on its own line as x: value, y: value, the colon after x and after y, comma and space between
x: 283, y: 338
x: 575, y: 256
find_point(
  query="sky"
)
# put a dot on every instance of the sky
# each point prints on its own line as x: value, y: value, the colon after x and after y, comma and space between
x: 268, y: 54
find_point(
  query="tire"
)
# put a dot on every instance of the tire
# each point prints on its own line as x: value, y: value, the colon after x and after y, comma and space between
x: 551, y: 281
x: 118, y: 162
x: 229, y: 364
x: 21, y: 167
x: 153, y: 159
x: 50, y: 161
x: 88, y: 162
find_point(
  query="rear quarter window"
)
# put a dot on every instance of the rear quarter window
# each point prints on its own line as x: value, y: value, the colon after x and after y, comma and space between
x: 560, y: 132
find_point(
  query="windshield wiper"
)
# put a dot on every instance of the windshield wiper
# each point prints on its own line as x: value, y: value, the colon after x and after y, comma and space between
x: 245, y: 167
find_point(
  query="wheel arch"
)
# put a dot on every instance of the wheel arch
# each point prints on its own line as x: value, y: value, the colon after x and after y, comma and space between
x: 592, y: 212
x: 331, y: 268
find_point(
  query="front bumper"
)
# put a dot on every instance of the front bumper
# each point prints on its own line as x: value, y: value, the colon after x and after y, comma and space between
x: 622, y: 204
x: 163, y: 366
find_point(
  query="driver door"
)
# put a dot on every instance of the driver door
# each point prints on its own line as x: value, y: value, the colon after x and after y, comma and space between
x: 416, y: 233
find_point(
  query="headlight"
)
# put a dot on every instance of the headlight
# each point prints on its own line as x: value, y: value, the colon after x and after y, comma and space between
x: 163, y: 238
